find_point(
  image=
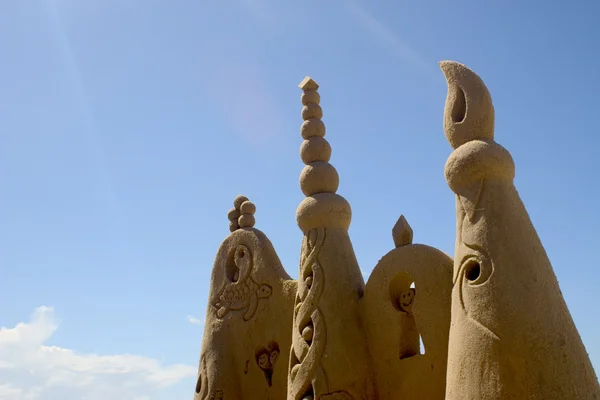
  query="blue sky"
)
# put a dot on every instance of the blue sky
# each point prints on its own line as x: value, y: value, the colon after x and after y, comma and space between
x: 127, y: 127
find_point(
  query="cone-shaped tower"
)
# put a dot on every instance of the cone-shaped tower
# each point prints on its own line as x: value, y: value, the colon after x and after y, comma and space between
x: 327, y: 332
x: 511, y: 336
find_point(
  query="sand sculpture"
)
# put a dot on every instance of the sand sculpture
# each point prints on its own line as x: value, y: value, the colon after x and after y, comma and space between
x: 492, y: 321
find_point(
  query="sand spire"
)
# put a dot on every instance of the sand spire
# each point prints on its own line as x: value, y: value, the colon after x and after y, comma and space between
x: 512, y: 336
x: 327, y: 326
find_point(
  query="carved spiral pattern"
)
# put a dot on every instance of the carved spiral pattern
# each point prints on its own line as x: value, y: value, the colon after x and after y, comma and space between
x: 309, y: 334
x: 475, y: 269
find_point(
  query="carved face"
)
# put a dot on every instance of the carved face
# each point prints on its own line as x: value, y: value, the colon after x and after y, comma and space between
x: 263, y: 361
x: 264, y: 291
x: 406, y: 300
x: 273, y: 357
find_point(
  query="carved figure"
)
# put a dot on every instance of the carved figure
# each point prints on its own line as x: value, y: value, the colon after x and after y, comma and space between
x: 266, y: 358
x: 243, y: 293
x: 406, y: 300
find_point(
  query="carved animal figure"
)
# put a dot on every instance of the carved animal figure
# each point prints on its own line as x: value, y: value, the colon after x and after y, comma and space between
x: 243, y: 293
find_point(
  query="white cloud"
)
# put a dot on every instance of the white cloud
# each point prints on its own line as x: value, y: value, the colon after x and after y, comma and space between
x: 194, y: 321
x: 29, y: 369
x: 7, y: 391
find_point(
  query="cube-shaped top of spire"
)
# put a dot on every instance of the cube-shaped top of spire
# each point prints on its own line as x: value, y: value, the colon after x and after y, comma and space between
x: 308, y: 84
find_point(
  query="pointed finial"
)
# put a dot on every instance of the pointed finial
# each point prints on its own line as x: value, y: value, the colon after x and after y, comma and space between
x: 469, y: 112
x: 242, y: 214
x: 402, y: 233
x: 308, y: 84
x: 319, y: 179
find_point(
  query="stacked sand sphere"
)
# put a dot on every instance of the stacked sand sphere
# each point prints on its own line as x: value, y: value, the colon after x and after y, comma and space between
x: 318, y: 176
x: 319, y: 179
x: 242, y: 214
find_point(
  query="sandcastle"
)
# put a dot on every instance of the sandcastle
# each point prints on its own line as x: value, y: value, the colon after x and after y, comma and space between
x: 493, y: 321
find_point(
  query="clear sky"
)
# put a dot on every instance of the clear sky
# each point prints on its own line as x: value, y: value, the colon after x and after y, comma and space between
x: 127, y: 127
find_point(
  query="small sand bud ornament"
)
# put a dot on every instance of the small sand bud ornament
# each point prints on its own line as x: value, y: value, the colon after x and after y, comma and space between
x: 242, y: 214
